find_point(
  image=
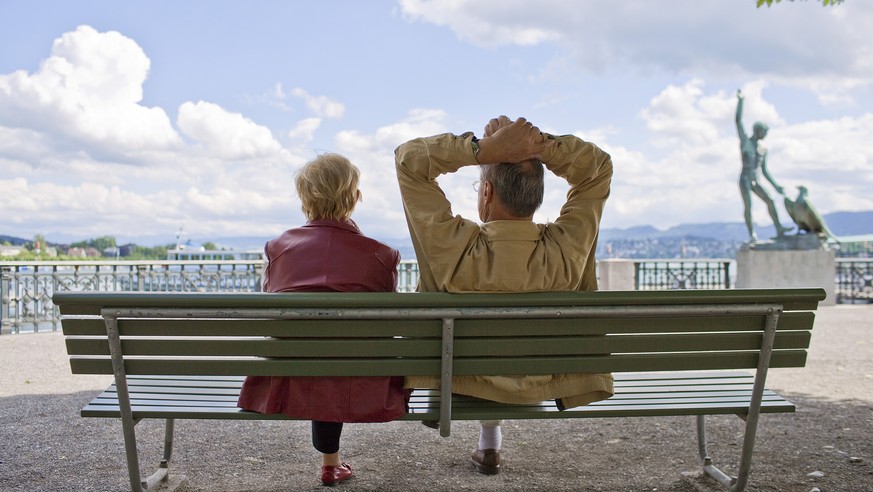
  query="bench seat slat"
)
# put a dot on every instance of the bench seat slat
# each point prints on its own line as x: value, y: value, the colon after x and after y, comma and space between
x: 232, y: 396
x: 676, y: 398
x: 198, y: 394
x: 637, y: 378
x: 157, y: 388
x: 618, y: 401
x: 469, y: 412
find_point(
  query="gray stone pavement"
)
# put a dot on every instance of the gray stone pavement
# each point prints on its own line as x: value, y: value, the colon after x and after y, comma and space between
x: 827, y: 444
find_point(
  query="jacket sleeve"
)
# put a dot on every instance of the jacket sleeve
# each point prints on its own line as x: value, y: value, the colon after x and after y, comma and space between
x: 588, y: 170
x: 436, y: 232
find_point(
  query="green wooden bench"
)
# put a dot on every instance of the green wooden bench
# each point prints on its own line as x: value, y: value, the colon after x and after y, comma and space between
x: 183, y: 356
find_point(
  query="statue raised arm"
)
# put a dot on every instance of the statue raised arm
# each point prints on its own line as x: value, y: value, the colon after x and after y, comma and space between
x: 754, y: 156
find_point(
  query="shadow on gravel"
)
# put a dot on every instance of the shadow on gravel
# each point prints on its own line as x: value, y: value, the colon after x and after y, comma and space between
x: 47, y: 446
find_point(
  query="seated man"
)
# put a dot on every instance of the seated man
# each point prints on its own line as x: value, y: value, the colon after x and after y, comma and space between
x: 508, y: 252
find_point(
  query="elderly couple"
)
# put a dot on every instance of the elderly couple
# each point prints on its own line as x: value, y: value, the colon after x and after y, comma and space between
x: 508, y: 252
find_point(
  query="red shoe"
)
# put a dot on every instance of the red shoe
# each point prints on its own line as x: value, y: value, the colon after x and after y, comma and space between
x: 332, y: 475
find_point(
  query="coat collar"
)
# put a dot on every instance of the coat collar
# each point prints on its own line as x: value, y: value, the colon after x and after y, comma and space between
x: 512, y: 230
x: 347, y: 225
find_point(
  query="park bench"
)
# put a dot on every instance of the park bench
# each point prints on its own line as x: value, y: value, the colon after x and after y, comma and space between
x: 673, y: 353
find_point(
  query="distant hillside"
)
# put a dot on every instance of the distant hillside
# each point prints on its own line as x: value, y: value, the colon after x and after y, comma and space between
x: 713, y: 239
x: 722, y: 231
x: 14, y: 241
x: 850, y: 223
x: 840, y: 223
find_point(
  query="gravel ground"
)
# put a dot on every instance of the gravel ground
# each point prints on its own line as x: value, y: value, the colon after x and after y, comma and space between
x: 827, y: 445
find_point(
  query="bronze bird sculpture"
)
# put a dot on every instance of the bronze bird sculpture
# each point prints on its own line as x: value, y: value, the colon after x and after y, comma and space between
x: 806, y: 216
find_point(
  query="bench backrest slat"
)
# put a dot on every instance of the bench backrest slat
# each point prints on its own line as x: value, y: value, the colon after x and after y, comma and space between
x: 422, y: 328
x: 419, y: 367
x: 253, y: 327
x: 352, y: 347
x: 801, y: 320
x: 91, y: 303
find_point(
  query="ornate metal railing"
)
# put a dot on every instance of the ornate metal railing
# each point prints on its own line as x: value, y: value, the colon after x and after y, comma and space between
x: 854, y: 280
x: 407, y: 276
x: 26, y: 288
x: 682, y: 274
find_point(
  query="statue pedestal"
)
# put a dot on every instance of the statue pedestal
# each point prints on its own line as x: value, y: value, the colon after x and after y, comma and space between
x: 616, y: 274
x: 765, y: 267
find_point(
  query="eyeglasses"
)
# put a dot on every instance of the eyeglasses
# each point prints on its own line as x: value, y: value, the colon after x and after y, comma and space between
x: 476, y: 185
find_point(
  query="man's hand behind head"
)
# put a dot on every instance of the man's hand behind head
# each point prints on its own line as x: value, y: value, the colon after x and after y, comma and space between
x: 495, y: 124
x: 512, y: 141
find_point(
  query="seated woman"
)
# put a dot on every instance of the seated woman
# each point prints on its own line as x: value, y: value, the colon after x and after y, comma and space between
x: 328, y: 254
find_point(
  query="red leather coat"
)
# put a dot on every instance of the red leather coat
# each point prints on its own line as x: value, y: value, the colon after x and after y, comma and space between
x: 328, y: 256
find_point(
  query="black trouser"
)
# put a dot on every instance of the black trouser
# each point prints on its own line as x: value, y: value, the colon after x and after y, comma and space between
x: 326, y: 436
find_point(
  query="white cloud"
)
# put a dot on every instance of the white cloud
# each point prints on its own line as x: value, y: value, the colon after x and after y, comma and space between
x: 810, y: 45
x: 225, y: 134
x: 320, y: 105
x: 88, y: 91
x: 503, y: 24
x: 305, y: 129
x: 70, y: 132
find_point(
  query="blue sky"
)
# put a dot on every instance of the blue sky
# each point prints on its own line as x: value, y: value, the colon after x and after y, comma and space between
x: 136, y: 118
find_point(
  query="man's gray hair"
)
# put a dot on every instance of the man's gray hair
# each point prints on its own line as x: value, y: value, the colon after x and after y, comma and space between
x: 519, y: 187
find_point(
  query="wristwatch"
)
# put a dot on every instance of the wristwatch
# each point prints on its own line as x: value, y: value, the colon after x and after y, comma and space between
x: 475, y: 144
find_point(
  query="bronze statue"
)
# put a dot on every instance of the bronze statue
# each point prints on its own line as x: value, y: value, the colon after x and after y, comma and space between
x: 806, y: 216
x: 754, y: 164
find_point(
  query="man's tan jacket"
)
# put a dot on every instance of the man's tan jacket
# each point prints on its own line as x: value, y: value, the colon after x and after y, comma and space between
x: 459, y: 255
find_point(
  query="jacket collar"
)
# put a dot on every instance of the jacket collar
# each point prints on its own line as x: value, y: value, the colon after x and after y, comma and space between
x: 347, y: 225
x: 512, y: 230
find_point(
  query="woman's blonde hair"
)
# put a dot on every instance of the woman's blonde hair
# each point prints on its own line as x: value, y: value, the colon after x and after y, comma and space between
x: 328, y: 187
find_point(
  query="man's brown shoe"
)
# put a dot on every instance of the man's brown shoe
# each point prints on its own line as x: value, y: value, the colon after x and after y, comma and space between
x: 486, y: 461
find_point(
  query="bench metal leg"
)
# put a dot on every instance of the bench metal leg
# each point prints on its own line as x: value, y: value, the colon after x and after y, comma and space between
x: 706, y: 459
x: 446, y: 373
x: 163, y: 471
x: 738, y: 483
x: 128, y: 424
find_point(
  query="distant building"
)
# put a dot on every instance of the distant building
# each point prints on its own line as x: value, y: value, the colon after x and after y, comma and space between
x: 11, y: 250
x: 77, y: 252
x: 126, y: 250
x: 195, y: 252
x: 853, y: 246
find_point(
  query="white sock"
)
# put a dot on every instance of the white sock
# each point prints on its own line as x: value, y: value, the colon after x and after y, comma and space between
x: 490, y: 436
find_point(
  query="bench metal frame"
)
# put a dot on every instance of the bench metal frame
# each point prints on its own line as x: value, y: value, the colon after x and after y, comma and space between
x: 448, y: 317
